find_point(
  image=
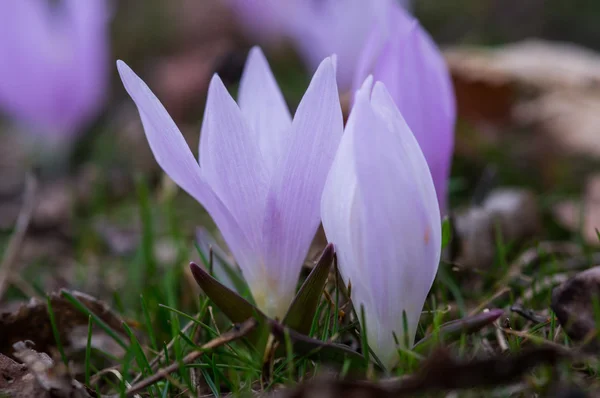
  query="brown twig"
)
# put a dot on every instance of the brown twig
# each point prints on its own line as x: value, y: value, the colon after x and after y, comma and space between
x: 442, y: 372
x: 21, y: 226
x: 161, y: 355
x: 488, y: 302
x: 237, y: 332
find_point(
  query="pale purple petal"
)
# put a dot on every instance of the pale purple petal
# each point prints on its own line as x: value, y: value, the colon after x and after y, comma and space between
x: 233, y: 166
x: 168, y: 145
x: 400, y: 222
x: 264, y: 108
x: 174, y: 156
x: 415, y: 73
x: 293, y: 203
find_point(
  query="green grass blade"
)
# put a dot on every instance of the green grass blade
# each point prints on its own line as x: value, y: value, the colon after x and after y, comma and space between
x: 335, y: 354
x: 107, y: 329
x: 55, y: 331
x: 88, y: 352
x: 453, y: 330
x: 446, y: 232
x: 148, y: 322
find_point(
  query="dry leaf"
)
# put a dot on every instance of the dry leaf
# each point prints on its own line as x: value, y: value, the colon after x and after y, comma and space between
x: 13, y: 378
x: 439, y: 372
x: 550, y: 86
x: 513, y: 210
x: 48, y: 378
x: 31, y: 322
x: 573, y: 303
x: 570, y: 118
x: 536, y: 64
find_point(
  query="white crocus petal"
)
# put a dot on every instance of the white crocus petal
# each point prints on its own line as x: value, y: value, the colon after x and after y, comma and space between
x: 387, y: 231
x: 175, y: 158
x: 232, y: 163
x: 293, y: 203
x: 340, y: 208
x: 338, y: 205
x: 264, y: 108
x: 400, y: 227
x: 384, y: 105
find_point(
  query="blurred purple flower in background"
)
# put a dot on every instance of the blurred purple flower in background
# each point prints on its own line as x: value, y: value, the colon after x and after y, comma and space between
x: 53, y: 63
x: 317, y: 28
x: 261, y: 174
x: 404, y: 57
x: 264, y: 20
x: 379, y: 209
x: 321, y: 28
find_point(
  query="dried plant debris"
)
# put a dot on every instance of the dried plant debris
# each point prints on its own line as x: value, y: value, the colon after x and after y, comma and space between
x: 577, y: 304
x: 15, y: 378
x: 568, y: 391
x: 333, y: 388
x: 443, y: 372
x: 557, y: 112
x: 512, y: 212
x: 538, y: 64
x: 38, y: 376
x: 440, y: 372
x: 549, y: 86
x: 32, y: 322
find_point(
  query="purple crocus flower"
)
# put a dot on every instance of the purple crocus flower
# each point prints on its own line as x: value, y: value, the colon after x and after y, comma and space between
x: 404, y: 57
x: 315, y: 28
x: 53, y: 63
x: 380, y: 210
x: 261, y: 174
